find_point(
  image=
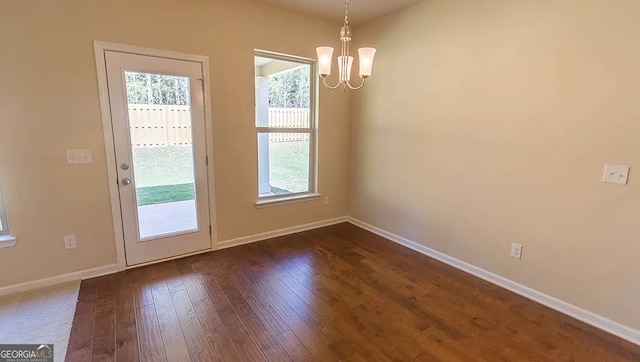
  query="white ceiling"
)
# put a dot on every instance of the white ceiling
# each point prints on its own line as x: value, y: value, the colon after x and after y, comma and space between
x: 360, y: 11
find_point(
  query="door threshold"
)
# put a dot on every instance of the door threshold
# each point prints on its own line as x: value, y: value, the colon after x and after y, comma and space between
x: 168, y: 259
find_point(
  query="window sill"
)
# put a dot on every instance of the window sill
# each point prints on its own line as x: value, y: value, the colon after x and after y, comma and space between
x: 287, y: 199
x: 7, y: 241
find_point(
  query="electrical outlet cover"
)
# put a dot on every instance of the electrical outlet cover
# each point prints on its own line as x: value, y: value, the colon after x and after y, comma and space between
x: 69, y: 241
x: 516, y: 250
x: 616, y: 174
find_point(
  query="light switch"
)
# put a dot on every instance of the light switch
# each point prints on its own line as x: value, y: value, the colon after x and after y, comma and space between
x: 76, y: 157
x: 616, y: 174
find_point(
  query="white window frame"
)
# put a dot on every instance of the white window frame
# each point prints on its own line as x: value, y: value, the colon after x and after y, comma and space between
x: 311, y: 193
x: 4, y: 228
x: 6, y: 240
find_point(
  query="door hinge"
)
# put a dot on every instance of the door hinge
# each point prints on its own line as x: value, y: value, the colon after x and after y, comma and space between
x: 206, y: 160
x: 210, y: 232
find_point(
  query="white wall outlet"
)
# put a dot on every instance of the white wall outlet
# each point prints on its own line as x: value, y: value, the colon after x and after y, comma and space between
x: 77, y: 157
x: 69, y: 241
x: 326, y: 200
x: 516, y: 250
x: 616, y: 174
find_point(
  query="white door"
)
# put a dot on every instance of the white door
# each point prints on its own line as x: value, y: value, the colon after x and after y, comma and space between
x: 157, y: 115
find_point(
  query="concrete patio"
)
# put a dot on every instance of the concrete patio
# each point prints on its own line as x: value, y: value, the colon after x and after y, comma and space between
x: 169, y: 218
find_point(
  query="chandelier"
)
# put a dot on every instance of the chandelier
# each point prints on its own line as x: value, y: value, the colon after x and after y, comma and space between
x: 345, y: 60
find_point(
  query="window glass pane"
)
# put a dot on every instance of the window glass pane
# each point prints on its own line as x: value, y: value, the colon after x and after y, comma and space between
x: 284, y: 159
x: 288, y: 117
x: 3, y: 217
x: 283, y: 93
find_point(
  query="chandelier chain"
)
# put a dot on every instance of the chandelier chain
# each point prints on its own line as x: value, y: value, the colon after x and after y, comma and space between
x: 346, y: 12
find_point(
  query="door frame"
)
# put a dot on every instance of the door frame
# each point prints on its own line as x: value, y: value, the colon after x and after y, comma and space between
x: 100, y: 47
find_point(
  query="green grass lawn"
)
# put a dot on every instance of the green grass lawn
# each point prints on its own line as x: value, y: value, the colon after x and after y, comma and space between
x: 289, y: 166
x: 163, y: 194
x: 165, y: 174
x: 161, y: 166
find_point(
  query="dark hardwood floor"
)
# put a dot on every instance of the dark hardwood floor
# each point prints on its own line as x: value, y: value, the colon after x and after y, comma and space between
x: 336, y: 293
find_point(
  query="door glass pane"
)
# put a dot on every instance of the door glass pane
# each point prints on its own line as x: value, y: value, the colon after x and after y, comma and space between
x: 286, y: 158
x: 162, y: 150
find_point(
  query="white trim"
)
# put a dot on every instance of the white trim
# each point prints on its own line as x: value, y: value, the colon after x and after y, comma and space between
x: 116, y: 214
x: 600, y: 322
x: 41, y: 283
x: 7, y: 241
x: 208, y: 140
x: 107, y: 131
x: 280, y: 232
x: 312, y: 130
x: 132, y: 49
x: 283, y: 56
x: 286, y: 199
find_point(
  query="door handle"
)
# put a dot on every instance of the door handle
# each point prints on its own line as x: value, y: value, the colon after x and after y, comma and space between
x: 126, y: 181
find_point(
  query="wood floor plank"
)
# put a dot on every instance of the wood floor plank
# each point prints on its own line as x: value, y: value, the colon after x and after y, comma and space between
x: 295, y: 348
x: 335, y: 293
x: 377, y: 301
x: 328, y: 312
x: 126, y: 326
x: 269, y: 346
x: 197, y: 341
x: 149, y: 336
x: 88, y: 290
x: 104, y: 343
x: 312, y: 341
x: 238, y: 333
x: 171, y: 276
x: 81, y: 338
x: 173, y: 339
x: 310, y: 325
x: 361, y: 305
x: 189, y: 277
x: 213, y: 326
x: 141, y: 281
x: 256, y: 299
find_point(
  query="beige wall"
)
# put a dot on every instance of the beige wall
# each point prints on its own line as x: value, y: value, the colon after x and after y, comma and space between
x: 49, y: 103
x: 488, y: 122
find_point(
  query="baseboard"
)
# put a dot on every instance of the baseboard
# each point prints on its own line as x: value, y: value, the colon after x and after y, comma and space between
x: 280, y: 232
x: 113, y: 268
x: 600, y: 322
x: 46, y: 282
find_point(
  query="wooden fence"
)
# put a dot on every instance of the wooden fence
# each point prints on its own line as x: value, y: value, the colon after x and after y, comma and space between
x: 289, y: 118
x: 159, y: 125
x: 162, y: 125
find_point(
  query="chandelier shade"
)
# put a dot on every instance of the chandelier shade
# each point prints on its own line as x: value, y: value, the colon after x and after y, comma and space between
x: 325, y: 57
x: 366, y: 56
